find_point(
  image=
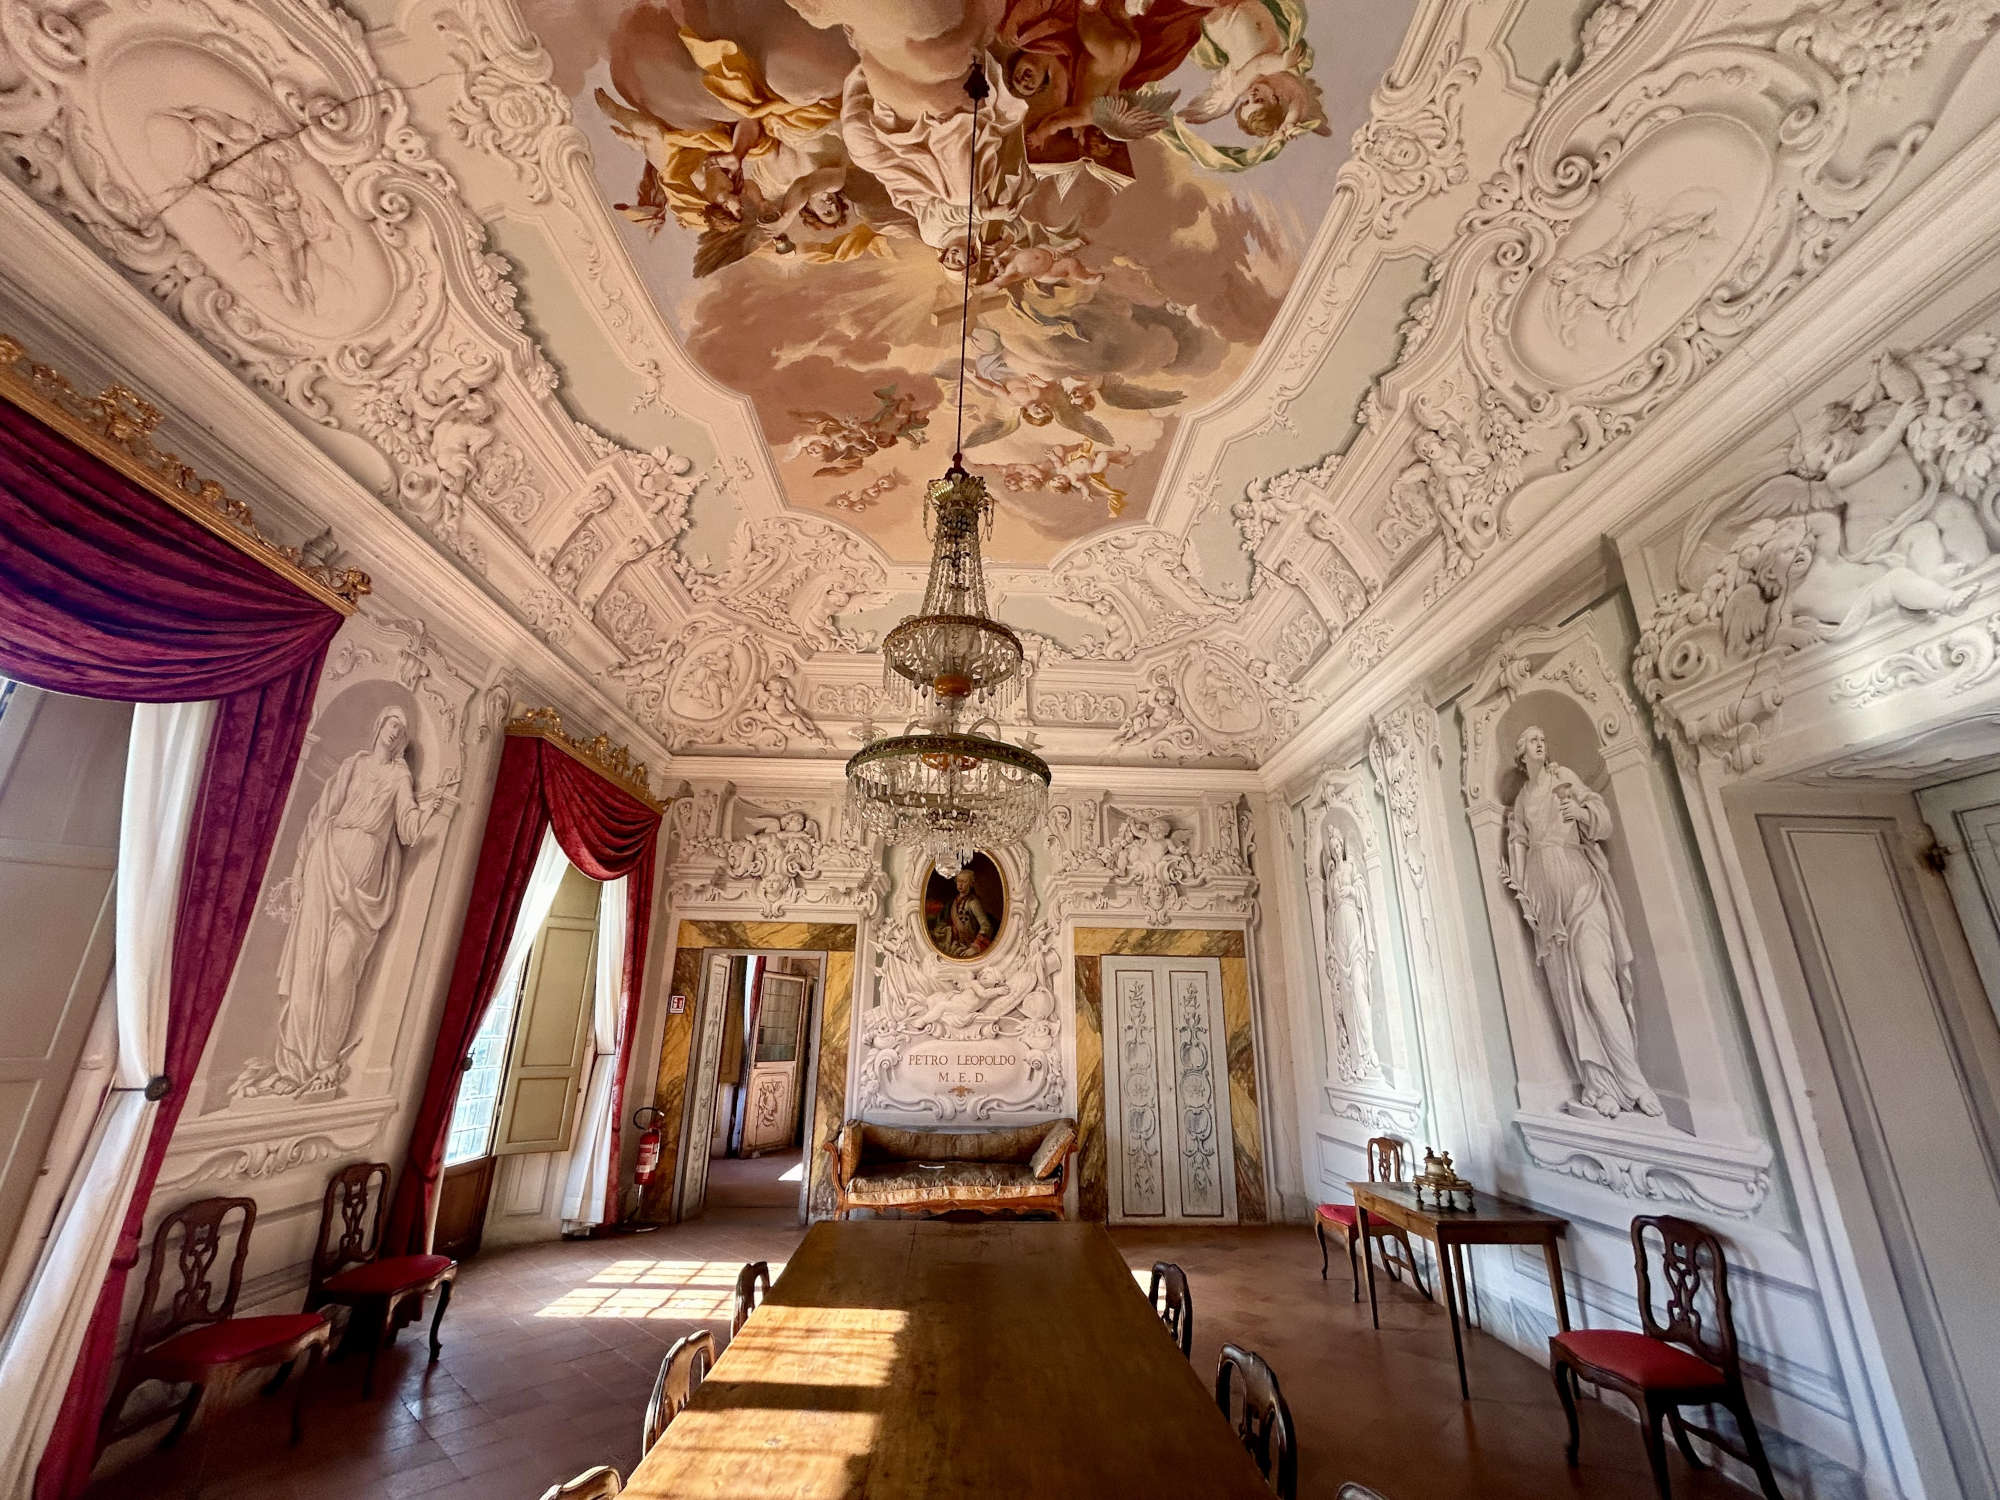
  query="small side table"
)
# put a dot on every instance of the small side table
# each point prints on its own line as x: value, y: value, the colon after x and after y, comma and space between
x: 1490, y: 1221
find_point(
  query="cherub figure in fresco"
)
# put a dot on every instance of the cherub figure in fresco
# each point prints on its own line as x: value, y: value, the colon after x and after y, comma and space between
x: 1263, y: 77
x: 840, y: 445
x: 1076, y: 469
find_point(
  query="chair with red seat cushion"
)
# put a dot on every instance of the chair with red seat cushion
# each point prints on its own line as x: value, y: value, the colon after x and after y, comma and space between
x: 1690, y: 1359
x: 1385, y: 1164
x: 385, y: 1291
x: 196, y: 1340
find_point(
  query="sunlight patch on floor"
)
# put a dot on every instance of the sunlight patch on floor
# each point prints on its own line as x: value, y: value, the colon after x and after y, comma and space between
x: 796, y: 1173
x: 687, y: 1290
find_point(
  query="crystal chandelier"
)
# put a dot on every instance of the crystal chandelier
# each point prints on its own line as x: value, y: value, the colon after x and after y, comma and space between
x: 947, y: 785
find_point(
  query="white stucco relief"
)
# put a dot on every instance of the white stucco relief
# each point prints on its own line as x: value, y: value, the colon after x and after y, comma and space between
x: 1615, y: 1024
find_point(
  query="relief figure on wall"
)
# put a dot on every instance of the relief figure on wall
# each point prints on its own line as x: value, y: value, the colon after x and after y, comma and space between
x: 1557, y: 869
x: 338, y: 898
x: 1350, y: 959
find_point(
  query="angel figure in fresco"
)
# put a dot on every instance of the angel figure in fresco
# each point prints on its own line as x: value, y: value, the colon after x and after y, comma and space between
x: 1263, y: 77
x: 338, y: 898
x: 1089, y: 74
x: 920, y: 161
x: 1557, y: 869
x: 735, y: 110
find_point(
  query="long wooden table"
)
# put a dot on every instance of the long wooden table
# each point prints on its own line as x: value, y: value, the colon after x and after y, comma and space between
x: 921, y: 1359
x: 1490, y: 1221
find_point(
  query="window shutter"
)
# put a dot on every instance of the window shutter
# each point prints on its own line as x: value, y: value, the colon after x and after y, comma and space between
x: 552, y: 1027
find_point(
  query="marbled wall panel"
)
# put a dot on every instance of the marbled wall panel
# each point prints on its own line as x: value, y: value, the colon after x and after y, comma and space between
x: 1245, y: 1125
x: 836, y: 1014
x: 656, y: 1198
x: 1092, y: 1193
x: 836, y: 940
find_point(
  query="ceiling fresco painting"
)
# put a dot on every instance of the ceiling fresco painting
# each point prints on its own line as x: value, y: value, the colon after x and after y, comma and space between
x: 793, y: 178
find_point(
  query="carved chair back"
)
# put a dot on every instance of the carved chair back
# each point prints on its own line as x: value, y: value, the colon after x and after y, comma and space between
x: 193, y: 1235
x: 600, y: 1483
x: 1265, y: 1423
x: 1177, y: 1311
x: 1386, y: 1161
x: 1695, y: 1274
x: 348, y: 1234
x: 687, y: 1364
x: 748, y: 1281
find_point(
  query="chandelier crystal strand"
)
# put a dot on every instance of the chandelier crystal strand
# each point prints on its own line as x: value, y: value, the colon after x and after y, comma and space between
x: 948, y: 786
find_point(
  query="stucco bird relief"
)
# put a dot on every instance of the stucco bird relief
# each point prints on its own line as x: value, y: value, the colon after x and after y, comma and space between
x: 795, y: 177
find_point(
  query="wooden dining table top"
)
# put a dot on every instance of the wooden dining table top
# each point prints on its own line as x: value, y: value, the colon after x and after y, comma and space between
x: 912, y: 1358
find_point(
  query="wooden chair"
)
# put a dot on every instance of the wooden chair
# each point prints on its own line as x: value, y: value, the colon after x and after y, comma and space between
x: 1265, y: 1425
x: 1688, y: 1360
x: 385, y: 1291
x: 687, y: 1364
x: 1385, y: 1164
x: 196, y: 1340
x: 1177, y: 1312
x: 600, y: 1483
x: 755, y: 1274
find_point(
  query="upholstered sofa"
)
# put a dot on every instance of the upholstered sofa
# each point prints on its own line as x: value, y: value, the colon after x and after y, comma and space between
x: 1020, y: 1170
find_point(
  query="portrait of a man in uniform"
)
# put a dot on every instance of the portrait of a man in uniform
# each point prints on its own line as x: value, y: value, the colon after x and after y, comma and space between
x: 963, y: 913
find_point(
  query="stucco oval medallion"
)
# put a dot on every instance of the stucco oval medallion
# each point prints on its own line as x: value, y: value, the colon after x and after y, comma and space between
x: 1220, y: 694
x: 1662, y: 232
x: 709, y: 680
x: 231, y: 177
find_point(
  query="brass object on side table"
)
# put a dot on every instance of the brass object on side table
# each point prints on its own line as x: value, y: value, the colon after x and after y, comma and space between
x: 1442, y: 1183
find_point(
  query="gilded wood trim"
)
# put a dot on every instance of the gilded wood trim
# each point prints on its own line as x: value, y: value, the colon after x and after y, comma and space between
x: 116, y: 428
x: 613, y: 762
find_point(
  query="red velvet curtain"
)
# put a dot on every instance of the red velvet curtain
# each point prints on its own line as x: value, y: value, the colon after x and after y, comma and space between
x: 607, y: 833
x: 107, y: 592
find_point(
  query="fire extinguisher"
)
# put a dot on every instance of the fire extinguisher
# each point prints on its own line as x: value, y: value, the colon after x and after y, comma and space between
x: 648, y: 1165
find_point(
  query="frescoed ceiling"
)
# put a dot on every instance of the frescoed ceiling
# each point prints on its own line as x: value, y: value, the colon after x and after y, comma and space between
x: 1292, y: 317
x: 793, y: 179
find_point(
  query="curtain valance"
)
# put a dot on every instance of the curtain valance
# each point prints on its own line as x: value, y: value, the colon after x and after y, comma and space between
x: 608, y: 830
x: 109, y: 592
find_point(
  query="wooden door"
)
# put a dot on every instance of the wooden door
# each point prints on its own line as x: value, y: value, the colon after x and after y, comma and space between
x: 717, y: 995
x: 463, y: 1192
x: 1172, y: 1158
x: 772, y: 1112
x: 1965, y: 816
x: 1895, y: 1018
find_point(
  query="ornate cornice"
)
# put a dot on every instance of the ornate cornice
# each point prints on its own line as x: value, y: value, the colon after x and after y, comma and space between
x: 613, y: 762
x: 116, y: 427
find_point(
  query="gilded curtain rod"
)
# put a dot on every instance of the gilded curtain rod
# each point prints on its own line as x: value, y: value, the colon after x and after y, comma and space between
x: 117, y: 428
x: 613, y: 762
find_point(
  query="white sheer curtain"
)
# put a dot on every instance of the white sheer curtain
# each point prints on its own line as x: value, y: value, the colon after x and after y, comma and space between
x: 537, y: 901
x: 169, y: 747
x: 590, y: 1158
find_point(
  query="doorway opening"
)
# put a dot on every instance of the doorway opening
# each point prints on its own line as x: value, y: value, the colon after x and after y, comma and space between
x: 750, y: 1094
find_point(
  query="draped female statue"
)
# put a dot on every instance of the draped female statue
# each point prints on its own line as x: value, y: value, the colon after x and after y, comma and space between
x: 1350, y: 957
x: 1557, y: 870
x: 338, y: 898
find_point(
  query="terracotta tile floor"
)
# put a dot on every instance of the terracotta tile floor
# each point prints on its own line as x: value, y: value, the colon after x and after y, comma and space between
x: 550, y: 1350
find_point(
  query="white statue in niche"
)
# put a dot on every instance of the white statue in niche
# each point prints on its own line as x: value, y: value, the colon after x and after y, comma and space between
x: 338, y: 898
x: 1557, y: 870
x: 1350, y: 959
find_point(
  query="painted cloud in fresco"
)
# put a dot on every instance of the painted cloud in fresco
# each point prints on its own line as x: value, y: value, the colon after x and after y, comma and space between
x: 796, y: 175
